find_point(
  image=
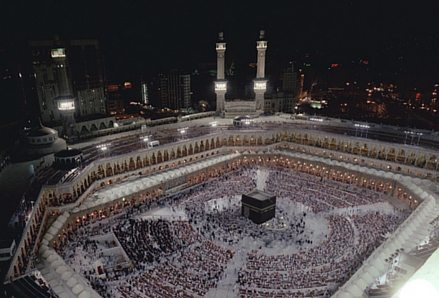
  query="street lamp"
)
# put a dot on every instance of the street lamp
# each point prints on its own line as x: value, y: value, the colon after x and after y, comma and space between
x: 412, y: 135
x: 183, y: 131
x: 78, y: 162
x: 361, y: 127
x: 144, y: 141
x: 103, y: 148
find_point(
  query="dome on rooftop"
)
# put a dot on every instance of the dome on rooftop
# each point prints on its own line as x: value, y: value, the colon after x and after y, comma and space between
x: 41, y: 131
x: 41, y: 135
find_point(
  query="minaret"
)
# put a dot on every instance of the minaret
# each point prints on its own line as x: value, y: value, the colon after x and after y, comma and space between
x: 65, y: 100
x: 260, y: 83
x: 220, y: 82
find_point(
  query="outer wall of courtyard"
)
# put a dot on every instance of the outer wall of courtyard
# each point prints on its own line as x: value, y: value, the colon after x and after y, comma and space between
x: 378, y: 156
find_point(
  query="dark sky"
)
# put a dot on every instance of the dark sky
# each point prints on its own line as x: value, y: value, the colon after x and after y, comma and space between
x: 145, y: 36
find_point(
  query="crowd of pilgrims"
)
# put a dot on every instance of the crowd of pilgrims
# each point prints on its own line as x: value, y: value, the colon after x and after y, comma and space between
x: 173, y: 253
x: 317, y: 271
x: 310, y: 190
x: 187, y: 258
x: 215, y: 211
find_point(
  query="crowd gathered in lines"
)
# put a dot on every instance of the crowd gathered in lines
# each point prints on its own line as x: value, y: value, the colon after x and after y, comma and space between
x: 173, y: 253
x: 310, y: 190
x: 186, y: 257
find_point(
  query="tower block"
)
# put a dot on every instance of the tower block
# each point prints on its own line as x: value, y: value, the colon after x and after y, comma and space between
x: 65, y: 100
x: 260, y: 83
x: 220, y: 82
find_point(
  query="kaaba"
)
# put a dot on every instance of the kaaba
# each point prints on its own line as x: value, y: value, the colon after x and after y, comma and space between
x: 258, y: 206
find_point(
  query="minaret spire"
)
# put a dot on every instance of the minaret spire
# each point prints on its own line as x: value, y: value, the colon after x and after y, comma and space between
x: 221, y: 82
x: 261, y: 46
x: 65, y: 100
x: 260, y: 83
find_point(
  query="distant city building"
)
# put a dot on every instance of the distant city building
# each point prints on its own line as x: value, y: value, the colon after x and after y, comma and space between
x: 84, y: 69
x: 175, y: 91
x: 123, y: 97
x: 116, y: 103
x: 284, y: 99
x: 144, y: 91
x: 290, y: 82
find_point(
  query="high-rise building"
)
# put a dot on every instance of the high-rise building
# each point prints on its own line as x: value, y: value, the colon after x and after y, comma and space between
x: 85, y: 73
x: 144, y: 91
x: 290, y: 89
x: 175, y: 91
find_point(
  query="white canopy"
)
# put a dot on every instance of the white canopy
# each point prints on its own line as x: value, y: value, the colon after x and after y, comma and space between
x: 66, y: 275
x: 52, y: 258
x: 47, y: 253
x: 61, y: 269
x: 77, y: 289
x: 52, y: 231
x: 43, y: 248
x: 57, y: 263
x: 53, y: 282
x: 72, y: 282
x: 354, y: 290
x: 64, y: 295
x: 361, y: 283
x: 344, y: 295
x: 84, y: 294
x: 59, y: 290
x: 57, y: 225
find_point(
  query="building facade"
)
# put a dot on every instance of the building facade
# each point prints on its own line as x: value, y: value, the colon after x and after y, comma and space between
x: 283, y: 100
x: 175, y: 91
x: 85, y: 77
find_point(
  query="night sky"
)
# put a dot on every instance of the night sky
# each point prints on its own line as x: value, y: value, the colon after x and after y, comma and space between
x: 397, y: 37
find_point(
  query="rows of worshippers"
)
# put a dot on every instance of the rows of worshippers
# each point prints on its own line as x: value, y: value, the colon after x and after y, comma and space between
x: 182, y: 259
x: 318, y: 195
x: 155, y: 241
x: 168, y: 250
x: 321, y: 269
x: 353, y: 238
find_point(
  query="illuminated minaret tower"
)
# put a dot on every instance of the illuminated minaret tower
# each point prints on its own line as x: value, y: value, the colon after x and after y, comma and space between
x: 260, y: 83
x: 65, y: 100
x: 220, y: 82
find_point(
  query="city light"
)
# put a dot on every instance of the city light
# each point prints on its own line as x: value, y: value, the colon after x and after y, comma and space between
x: 220, y: 86
x: 103, y: 147
x: 183, y: 130
x: 66, y: 105
x: 58, y: 53
x: 260, y: 86
x: 361, y: 127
